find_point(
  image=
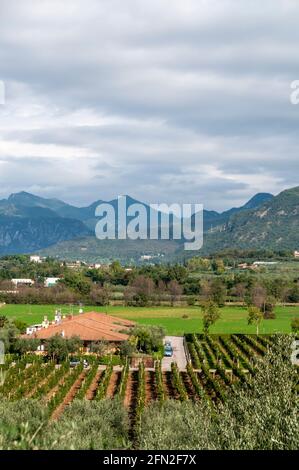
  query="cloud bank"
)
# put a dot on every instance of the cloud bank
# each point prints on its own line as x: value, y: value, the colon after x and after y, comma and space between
x: 163, y: 100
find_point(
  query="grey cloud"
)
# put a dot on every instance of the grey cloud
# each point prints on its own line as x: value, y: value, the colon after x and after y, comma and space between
x: 195, y: 94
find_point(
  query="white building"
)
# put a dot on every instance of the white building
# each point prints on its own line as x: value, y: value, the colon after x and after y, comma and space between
x: 296, y: 254
x: 146, y: 257
x: 22, y: 282
x: 33, y: 328
x: 265, y: 263
x: 35, y: 259
x: 95, y: 266
x: 51, y: 281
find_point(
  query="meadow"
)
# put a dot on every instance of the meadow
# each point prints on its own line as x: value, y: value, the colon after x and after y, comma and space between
x: 176, y: 320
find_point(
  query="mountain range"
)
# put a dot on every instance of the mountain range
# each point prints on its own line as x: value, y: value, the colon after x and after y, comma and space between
x: 30, y: 223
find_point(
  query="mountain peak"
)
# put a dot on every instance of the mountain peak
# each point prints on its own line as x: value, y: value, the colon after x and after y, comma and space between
x: 22, y: 195
x: 258, y: 200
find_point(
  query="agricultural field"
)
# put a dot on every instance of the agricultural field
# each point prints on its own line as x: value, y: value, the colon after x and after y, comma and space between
x: 175, y: 320
x: 214, y: 403
x: 217, y: 363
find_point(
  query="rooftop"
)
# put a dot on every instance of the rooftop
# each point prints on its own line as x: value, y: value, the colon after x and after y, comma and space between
x: 89, y: 326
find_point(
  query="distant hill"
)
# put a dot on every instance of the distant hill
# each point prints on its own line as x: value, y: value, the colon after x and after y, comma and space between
x: 272, y: 225
x: 212, y: 219
x: 28, y: 234
x: 91, y: 249
x: 29, y: 223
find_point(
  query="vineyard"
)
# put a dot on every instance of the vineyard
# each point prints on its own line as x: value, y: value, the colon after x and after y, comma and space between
x: 217, y: 364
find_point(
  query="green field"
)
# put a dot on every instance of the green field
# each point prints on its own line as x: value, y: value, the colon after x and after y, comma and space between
x: 233, y: 319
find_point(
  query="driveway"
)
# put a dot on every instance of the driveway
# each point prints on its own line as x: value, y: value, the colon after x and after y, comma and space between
x: 179, y: 355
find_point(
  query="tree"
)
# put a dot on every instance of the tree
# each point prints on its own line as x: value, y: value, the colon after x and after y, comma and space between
x: 20, y: 325
x: 258, y: 296
x: 100, y: 296
x: 205, y: 290
x: 211, y: 314
x: 295, y: 325
x: 22, y: 345
x: 149, y: 338
x: 255, y: 316
x: 3, y: 321
x: 99, y: 347
x: 240, y: 291
x: 127, y: 348
x: 77, y: 282
x: 294, y: 295
x: 8, y: 335
x: 59, y: 348
x: 142, y: 290
x: 73, y: 344
x: 218, y: 292
x: 269, y: 308
x: 175, y: 290
x: 218, y: 266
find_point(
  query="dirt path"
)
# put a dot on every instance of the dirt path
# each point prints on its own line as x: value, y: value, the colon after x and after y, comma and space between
x: 69, y: 396
x: 131, y: 389
x: 130, y: 400
x: 113, y: 384
x: 90, y: 394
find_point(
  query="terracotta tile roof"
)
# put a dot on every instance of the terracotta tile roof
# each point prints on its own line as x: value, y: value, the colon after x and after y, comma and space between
x: 90, y: 326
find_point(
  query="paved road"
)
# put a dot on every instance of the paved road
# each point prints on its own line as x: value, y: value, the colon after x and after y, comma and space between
x: 179, y: 355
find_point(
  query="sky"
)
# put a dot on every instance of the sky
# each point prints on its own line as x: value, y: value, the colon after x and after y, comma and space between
x: 165, y: 100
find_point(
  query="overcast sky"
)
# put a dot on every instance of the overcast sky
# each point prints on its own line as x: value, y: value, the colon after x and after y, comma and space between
x: 165, y: 100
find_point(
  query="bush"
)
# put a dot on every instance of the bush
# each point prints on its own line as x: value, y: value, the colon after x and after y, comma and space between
x: 83, y: 425
x: 262, y: 417
x: 295, y: 324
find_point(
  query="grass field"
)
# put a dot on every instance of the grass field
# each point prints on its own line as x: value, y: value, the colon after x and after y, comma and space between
x: 233, y: 319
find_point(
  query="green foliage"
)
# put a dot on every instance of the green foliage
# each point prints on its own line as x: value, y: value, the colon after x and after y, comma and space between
x: 3, y: 321
x: 255, y: 317
x: 22, y: 346
x: 262, y: 417
x: 77, y: 282
x: 85, y: 425
x: 90, y: 425
x: 211, y: 314
x: 140, y: 400
x: 104, y: 383
x: 149, y: 338
x: 123, y: 381
x: 59, y: 348
x: 63, y: 388
x: 177, y: 382
x: 90, y: 375
x: 295, y: 325
x: 159, y: 382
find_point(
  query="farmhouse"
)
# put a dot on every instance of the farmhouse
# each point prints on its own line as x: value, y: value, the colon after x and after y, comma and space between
x: 51, y: 281
x: 22, y: 282
x: 89, y: 327
x: 36, y: 259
